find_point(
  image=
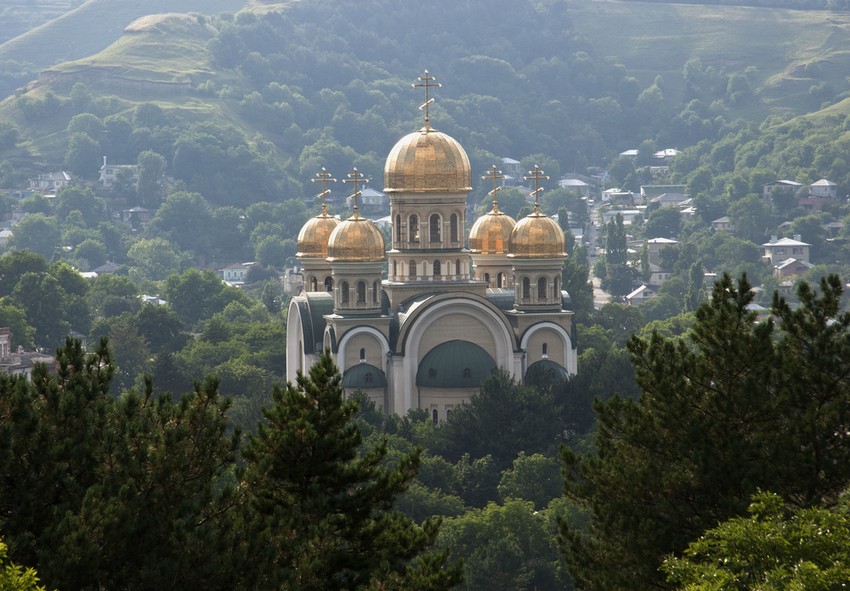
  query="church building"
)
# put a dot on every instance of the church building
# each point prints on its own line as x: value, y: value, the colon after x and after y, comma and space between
x: 421, y: 322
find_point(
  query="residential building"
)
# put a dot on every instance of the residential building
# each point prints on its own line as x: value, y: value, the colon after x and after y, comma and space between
x: 780, y: 249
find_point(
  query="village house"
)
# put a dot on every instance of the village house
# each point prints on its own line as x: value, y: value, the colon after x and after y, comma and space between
x: 783, y: 186
x: 723, y: 224
x: 654, y: 246
x: 235, y: 274
x: 639, y: 295
x: 50, y: 182
x: 109, y: 173
x: 791, y: 267
x: 820, y: 193
x: 512, y: 171
x: 663, y: 194
x: 781, y: 249
x: 19, y: 362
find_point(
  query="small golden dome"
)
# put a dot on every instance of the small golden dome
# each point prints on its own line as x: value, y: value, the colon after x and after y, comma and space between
x: 427, y: 161
x: 491, y: 233
x: 357, y: 240
x: 537, y: 236
x: 314, y: 235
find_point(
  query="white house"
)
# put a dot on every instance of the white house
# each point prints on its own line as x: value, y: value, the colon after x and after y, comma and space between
x: 780, y: 249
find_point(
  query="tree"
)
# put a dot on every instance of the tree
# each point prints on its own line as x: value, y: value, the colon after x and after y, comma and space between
x: 14, y: 264
x: 37, y: 233
x: 505, y: 547
x: 153, y: 259
x: 618, y: 275
x: 83, y: 155
x: 325, y: 517
x: 151, y: 170
x: 83, y: 200
x: 504, y: 418
x: 184, y: 219
x: 14, y: 577
x: 663, y: 222
x: 196, y: 295
x: 118, y: 494
x: 43, y: 300
x: 776, y: 547
x: 534, y: 478
x: 733, y: 406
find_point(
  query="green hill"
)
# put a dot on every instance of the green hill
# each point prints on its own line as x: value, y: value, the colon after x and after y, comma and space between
x: 93, y: 26
x: 560, y: 77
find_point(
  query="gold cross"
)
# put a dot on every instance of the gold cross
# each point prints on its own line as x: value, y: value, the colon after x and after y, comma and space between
x: 495, y: 174
x: 323, y: 177
x: 355, y: 177
x: 428, y: 82
x: 537, y: 175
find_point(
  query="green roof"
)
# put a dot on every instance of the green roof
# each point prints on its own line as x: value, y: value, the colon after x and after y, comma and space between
x: 455, y: 364
x: 547, y: 370
x: 362, y: 376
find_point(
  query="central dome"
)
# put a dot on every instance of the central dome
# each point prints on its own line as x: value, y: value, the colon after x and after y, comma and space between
x: 427, y: 161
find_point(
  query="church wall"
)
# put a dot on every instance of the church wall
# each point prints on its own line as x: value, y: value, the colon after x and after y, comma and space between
x: 555, y: 346
x: 443, y: 401
x: 457, y: 326
x: 372, y: 346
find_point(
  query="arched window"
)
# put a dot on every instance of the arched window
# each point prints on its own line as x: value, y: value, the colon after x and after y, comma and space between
x: 361, y: 292
x: 545, y: 351
x: 434, y: 416
x: 467, y: 372
x: 411, y: 270
x: 437, y: 269
x: 453, y: 227
x: 556, y: 292
x: 434, y: 226
x: 413, y: 231
x: 457, y: 268
x: 541, y: 289
x: 368, y: 377
x: 398, y: 228
x: 526, y: 288
x: 363, y: 355
x: 314, y: 284
x: 343, y: 292
x: 500, y: 280
x: 329, y: 284
x: 374, y: 293
x: 487, y: 278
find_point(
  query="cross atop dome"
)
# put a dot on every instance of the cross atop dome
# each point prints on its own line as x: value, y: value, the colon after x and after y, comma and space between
x: 427, y: 82
x: 495, y: 174
x: 537, y: 175
x: 323, y: 177
x: 355, y: 177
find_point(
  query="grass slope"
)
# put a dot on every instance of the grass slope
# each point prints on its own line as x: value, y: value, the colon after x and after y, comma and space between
x: 163, y: 58
x: 93, y: 26
x: 792, y: 50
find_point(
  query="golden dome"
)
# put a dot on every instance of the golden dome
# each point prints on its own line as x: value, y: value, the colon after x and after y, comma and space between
x: 491, y: 233
x: 537, y: 236
x: 427, y: 161
x: 314, y: 235
x: 356, y: 239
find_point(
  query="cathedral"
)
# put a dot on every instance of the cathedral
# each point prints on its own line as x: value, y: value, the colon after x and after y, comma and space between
x: 421, y: 322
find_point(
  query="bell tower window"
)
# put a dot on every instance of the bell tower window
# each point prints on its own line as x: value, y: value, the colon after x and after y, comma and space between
x: 361, y: 292
x: 413, y: 224
x: 434, y: 226
x: 453, y: 228
x: 541, y: 289
x: 343, y: 292
x: 437, y: 270
x: 411, y: 270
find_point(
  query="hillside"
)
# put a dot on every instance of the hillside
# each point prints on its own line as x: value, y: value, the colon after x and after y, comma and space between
x: 548, y: 77
x: 93, y: 26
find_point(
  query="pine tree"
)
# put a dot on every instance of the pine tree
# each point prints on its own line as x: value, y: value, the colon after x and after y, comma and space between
x: 735, y: 406
x: 323, y: 515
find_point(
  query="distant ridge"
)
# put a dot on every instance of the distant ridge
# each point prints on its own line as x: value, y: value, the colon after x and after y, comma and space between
x: 94, y: 26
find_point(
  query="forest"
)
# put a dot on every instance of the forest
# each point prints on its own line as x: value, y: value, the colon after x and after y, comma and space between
x: 658, y: 465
